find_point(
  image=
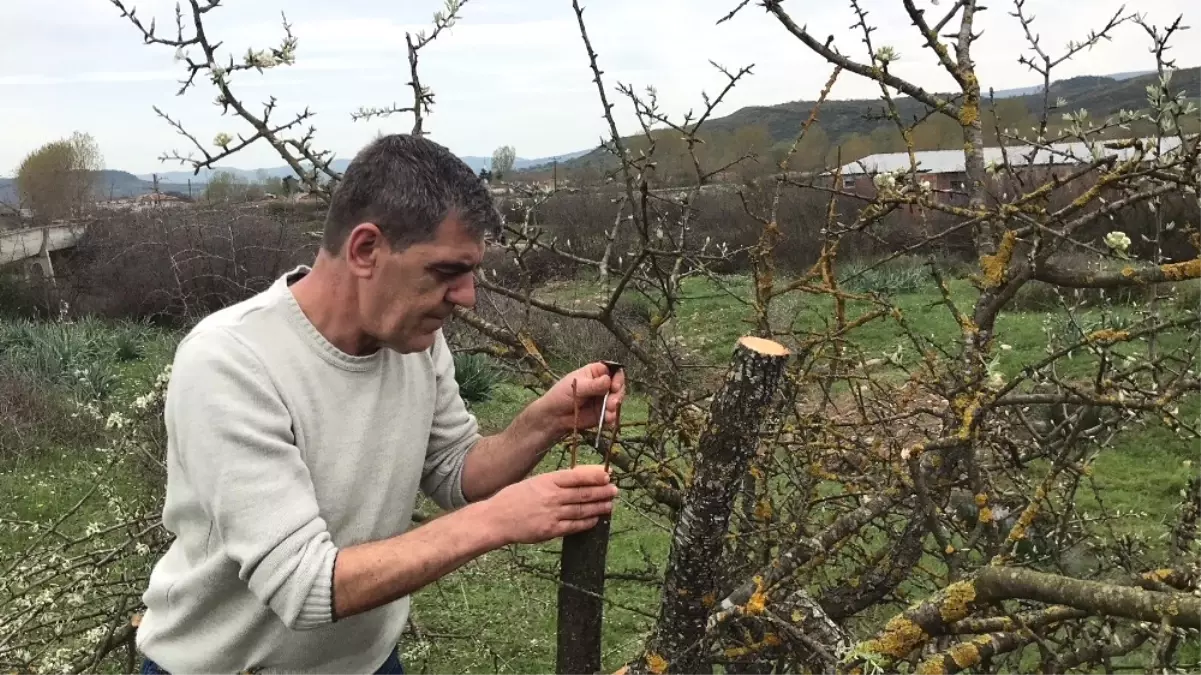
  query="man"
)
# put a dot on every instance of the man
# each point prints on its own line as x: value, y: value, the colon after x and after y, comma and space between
x: 303, y: 421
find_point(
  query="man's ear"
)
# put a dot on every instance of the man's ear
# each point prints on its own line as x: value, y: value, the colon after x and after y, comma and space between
x: 364, y: 246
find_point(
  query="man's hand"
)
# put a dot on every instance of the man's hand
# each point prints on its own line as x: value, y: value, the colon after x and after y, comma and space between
x: 556, y: 409
x: 535, y: 510
x: 503, y: 459
x: 552, y: 505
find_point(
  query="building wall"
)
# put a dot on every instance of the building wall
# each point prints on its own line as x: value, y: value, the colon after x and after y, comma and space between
x: 951, y: 187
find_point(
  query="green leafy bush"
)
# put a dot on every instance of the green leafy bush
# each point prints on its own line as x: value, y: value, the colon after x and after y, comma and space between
x: 83, y: 355
x: 904, y: 274
x: 477, y: 377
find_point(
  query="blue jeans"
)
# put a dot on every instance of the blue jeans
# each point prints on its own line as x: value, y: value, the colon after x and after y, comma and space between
x: 391, y: 667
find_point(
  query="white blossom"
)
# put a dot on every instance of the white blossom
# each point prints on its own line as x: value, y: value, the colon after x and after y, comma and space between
x: 116, y: 421
x: 261, y: 59
x: 1118, y: 241
x: 887, y: 54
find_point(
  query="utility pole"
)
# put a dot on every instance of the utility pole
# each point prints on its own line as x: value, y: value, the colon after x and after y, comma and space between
x: 555, y: 175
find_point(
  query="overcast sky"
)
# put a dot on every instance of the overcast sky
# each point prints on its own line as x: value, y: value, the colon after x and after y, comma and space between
x: 511, y: 72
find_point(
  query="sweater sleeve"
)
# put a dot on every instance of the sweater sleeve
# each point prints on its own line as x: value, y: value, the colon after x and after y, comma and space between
x: 452, y: 435
x: 232, y: 436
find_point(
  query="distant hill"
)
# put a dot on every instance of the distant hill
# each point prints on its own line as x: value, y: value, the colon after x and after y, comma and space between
x: 476, y: 163
x: 1038, y: 88
x: 109, y: 184
x: 124, y: 184
x: 1100, y: 95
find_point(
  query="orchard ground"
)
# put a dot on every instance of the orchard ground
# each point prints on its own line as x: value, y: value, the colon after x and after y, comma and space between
x: 497, y: 614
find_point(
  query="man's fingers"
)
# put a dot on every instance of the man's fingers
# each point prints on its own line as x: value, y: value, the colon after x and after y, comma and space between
x: 591, y: 494
x: 585, y: 511
x: 618, y: 382
x: 582, y: 476
x: 575, y: 526
x: 593, y: 386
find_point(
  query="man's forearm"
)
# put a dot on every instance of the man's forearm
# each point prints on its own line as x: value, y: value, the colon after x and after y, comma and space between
x: 507, y: 457
x: 372, y: 574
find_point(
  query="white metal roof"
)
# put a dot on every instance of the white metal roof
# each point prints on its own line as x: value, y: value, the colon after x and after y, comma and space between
x: 952, y: 161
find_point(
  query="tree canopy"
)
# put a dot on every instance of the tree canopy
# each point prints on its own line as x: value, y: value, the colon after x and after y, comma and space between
x: 59, y: 179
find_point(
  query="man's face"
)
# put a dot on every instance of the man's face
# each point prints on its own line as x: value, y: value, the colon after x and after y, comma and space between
x: 411, y: 293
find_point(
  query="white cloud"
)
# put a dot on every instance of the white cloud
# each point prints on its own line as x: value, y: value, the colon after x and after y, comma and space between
x: 512, y: 71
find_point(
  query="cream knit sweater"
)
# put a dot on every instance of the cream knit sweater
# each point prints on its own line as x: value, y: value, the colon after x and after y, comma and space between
x: 282, y: 449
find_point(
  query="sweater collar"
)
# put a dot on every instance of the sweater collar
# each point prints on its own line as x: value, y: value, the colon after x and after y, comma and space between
x: 326, y: 349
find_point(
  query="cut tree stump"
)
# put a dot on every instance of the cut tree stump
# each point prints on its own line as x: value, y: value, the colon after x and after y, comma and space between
x: 724, y: 453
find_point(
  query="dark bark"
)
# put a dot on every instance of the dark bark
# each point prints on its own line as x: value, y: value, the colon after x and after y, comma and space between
x: 821, y: 638
x: 873, y: 584
x: 806, y: 548
x: 581, y: 594
x: 724, y: 453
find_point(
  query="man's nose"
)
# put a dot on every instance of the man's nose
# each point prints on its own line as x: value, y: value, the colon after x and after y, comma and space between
x: 462, y: 292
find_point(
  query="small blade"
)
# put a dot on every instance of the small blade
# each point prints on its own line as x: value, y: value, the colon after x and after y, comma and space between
x: 614, y: 368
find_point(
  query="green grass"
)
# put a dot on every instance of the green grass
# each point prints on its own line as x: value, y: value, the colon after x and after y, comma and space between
x: 497, y: 614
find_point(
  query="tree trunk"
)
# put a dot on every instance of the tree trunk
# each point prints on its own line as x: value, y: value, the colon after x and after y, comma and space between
x: 725, y: 450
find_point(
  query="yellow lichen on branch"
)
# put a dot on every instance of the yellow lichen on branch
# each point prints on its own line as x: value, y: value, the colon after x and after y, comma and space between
x: 763, y: 510
x: 969, y: 416
x: 769, y: 640
x: 1189, y: 269
x: 656, y: 664
x: 964, y: 655
x: 993, y: 266
x: 957, y: 604
x: 758, y: 600
x: 901, y: 635
x: 969, y: 113
x: 986, y: 515
x: 1108, y: 335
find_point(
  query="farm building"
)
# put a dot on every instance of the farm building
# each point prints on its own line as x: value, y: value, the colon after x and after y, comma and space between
x: 945, y: 172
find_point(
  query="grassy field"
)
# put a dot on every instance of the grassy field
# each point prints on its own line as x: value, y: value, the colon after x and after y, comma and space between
x: 497, y: 614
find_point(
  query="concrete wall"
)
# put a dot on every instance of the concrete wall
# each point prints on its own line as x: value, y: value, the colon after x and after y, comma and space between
x: 21, y: 244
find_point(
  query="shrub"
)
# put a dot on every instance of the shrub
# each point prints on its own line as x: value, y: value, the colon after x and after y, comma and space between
x: 22, y: 298
x: 82, y: 356
x: 904, y: 274
x: 477, y: 377
x: 175, y: 265
x: 1036, y: 296
x: 33, y: 415
x: 1186, y: 295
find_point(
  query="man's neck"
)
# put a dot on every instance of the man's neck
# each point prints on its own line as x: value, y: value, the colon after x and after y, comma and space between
x: 330, y: 303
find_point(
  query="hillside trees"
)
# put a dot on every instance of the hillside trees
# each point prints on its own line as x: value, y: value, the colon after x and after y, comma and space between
x: 59, y: 179
x: 932, y: 506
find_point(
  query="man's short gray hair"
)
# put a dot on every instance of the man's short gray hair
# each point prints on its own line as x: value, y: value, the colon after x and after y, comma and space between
x: 407, y: 185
